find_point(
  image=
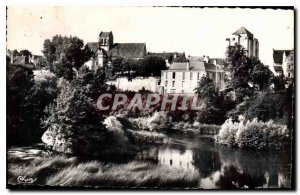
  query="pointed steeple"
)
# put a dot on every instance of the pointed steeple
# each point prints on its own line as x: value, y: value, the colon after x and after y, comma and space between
x: 242, y: 30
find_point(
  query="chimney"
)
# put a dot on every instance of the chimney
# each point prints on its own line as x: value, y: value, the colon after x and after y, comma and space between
x: 188, y: 65
x: 206, y: 59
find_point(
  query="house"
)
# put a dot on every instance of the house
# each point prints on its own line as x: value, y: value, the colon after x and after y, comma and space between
x: 245, y: 38
x: 20, y: 61
x: 183, y: 78
x: 283, y: 63
x: 170, y: 57
x: 105, y: 50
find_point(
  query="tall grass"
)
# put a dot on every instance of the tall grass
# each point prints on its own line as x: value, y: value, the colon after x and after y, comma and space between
x: 64, y: 171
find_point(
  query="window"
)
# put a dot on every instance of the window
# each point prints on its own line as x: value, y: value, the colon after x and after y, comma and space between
x: 166, y: 75
x: 198, y: 76
x: 182, y: 91
x: 191, y: 76
x: 166, y: 84
x: 96, y: 63
x: 101, y: 42
x: 171, y: 162
x: 289, y: 75
x: 105, y: 41
x: 182, y: 84
x: 289, y: 66
x: 173, y: 83
x: 220, y: 76
x: 183, y: 75
x: 173, y: 75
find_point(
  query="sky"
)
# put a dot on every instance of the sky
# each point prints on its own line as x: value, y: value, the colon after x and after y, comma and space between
x: 194, y: 31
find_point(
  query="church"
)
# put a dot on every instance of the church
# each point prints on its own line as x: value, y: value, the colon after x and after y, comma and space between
x: 105, y: 50
x: 245, y: 38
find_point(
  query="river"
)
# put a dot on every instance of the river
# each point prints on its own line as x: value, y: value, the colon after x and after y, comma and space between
x: 220, y: 166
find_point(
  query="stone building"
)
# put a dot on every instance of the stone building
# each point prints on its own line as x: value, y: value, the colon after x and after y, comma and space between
x: 170, y: 57
x: 183, y: 78
x: 283, y: 63
x: 246, y: 39
x: 105, y: 50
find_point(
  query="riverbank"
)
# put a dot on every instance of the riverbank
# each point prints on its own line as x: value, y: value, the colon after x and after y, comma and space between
x: 60, y: 170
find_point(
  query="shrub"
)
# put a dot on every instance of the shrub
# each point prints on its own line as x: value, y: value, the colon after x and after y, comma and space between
x: 158, y: 121
x: 253, y: 134
x: 146, y: 137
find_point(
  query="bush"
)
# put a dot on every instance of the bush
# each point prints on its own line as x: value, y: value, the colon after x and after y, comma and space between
x: 73, y: 122
x: 158, y: 121
x: 253, y: 134
x: 146, y: 137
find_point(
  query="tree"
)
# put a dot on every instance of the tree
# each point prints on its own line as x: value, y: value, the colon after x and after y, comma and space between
x: 151, y: 66
x: 240, y: 69
x: 260, y: 75
x: 279, y: 83
x: 27, y: 97
x: 19, y: 83
x: 25, y: 52
x: 74, y: 125
x: 206, y: 90
x: 66, y: 54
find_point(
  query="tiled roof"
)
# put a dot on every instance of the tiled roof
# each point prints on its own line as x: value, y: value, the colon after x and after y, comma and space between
x: 212, y: 67
x: 278, y: 68
x: 278, y: 55
x: 195, y: 58
x: 194, y: 66
x: 170, y: 56
x: 128, y: 50
x: 93, y: 46
x: 242, y: 30
x: 105, y: 34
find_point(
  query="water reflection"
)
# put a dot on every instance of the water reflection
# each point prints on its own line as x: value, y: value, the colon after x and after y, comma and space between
x: 222, y: 167
x: 174, y: 158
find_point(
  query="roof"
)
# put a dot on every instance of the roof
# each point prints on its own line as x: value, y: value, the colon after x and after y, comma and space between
x: 105, y: 34
x: 278, y: 55
x: 93, y: 46
x: 170, y: 56
x: 19, y: 60
x: 128, y: 50
x: 194, y: 66
x: 212, y: 67
x: 242, y: 30
x: 278, y: 68
x: 195, y: 58
x: 220, y: 61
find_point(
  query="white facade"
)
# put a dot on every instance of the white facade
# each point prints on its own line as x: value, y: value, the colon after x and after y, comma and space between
x: 183, y: 78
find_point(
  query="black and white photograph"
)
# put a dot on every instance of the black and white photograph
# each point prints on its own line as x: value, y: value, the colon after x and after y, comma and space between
x: 150, y: 97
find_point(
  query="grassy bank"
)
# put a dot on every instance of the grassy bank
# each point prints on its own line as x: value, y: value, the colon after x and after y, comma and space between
x: 69, y: 171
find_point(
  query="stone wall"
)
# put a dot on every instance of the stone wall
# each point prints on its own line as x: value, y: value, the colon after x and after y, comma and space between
x: 136, y: 84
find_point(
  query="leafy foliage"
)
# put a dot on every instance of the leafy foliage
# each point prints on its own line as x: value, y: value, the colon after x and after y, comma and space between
x: 18, y: 85
x: 254, y: 134
x: 206, y: 90
x: 148, y: 66
x: 245, y: 70
x: 64, y: 54
x: 73, y: 122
